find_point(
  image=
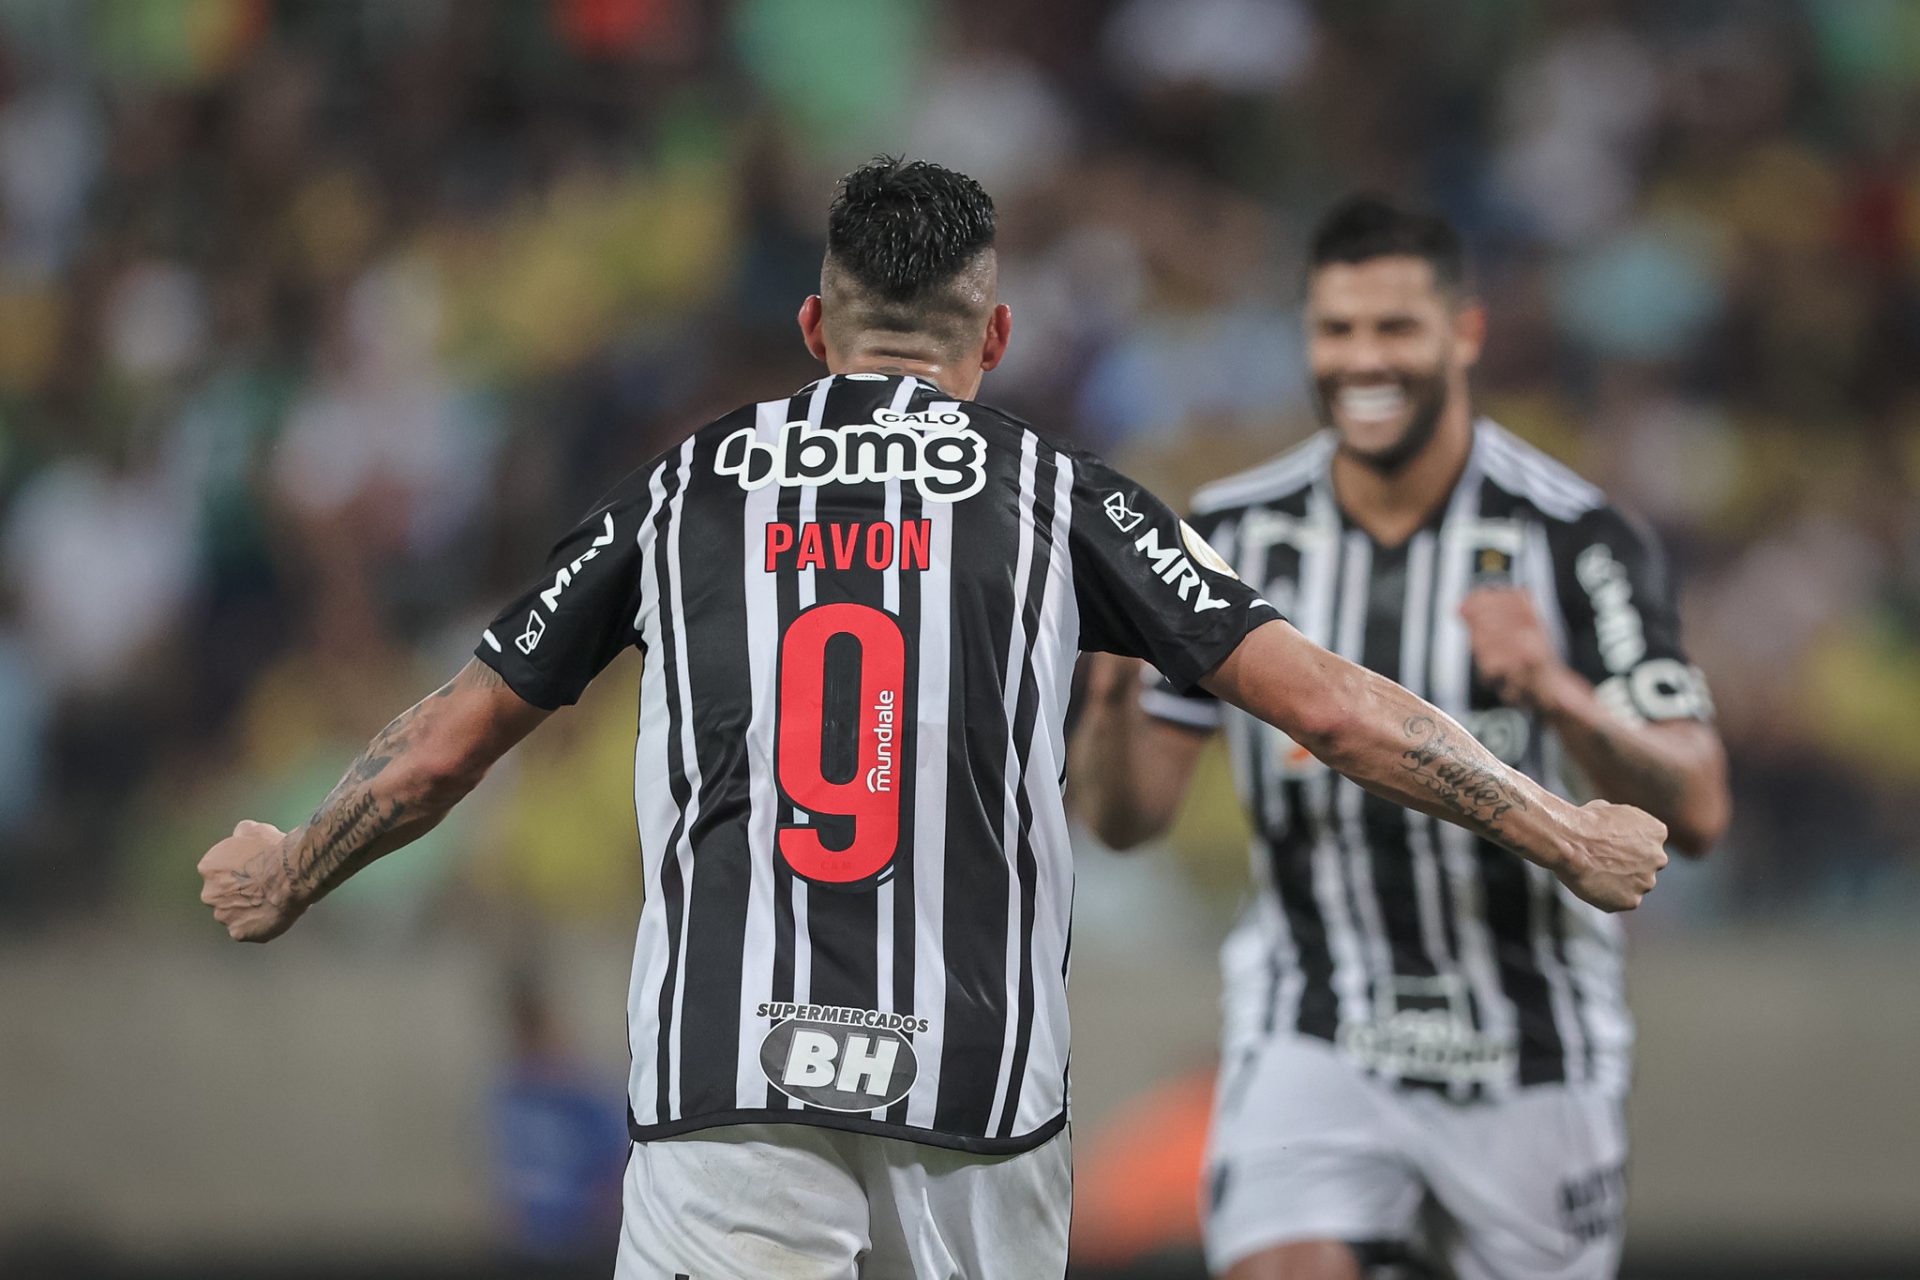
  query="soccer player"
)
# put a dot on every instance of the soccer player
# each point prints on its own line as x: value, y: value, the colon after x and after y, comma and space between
x: 1412, y: 1011
x: 860, y: 610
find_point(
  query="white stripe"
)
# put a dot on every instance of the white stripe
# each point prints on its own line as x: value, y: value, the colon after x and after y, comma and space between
x: 890, y: 601
x: 1528, y: 473
x: 1319, y: 573
x: 691, y: 762
x: 1548, y: 470
x: 930, y: 815
x: 655, y: 812
x: 1055, y: 647
x: 761, y: 508
x: 1355, y: 605
x: 1016, y: 655
x: 1452, y: 659
x: 1196, y: 713
x: 492, y: 641
x: 1535, y: 574
x: 1285, y: 996
x: 1255, y: 748
x: 1413, y: 674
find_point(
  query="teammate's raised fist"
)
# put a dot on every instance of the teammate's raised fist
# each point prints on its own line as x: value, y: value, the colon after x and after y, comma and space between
x: 1619, y: 852
x: 246, y: 884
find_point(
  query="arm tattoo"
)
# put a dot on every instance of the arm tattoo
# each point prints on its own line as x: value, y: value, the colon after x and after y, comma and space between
x: 345, y: 832
x: 1450, y: 772
x: 351, y: 816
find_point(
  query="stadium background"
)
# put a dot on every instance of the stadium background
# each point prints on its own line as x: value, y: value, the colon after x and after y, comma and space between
x: 318, y: 319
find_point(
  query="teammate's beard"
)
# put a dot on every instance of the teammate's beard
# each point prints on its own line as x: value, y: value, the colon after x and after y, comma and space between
x: 1428, y: 394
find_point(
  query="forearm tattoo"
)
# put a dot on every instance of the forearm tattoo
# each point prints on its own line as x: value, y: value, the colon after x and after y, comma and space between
x: 1449, y: 771
x: 346, y: 831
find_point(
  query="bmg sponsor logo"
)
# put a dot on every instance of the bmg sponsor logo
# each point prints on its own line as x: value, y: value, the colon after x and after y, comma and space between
x: 840, y: 1059
x: 943, y: 457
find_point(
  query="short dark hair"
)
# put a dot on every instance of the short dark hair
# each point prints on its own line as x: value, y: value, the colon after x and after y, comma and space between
x: 1364, y: 227
x: 901, y: 228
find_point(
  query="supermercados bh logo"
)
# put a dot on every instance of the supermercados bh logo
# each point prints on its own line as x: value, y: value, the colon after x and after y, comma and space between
x: 944, y: 457
x: 838, y: 1058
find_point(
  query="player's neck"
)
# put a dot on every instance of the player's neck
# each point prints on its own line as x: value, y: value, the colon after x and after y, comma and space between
x: 938, y: 370
x: 1392, y: 505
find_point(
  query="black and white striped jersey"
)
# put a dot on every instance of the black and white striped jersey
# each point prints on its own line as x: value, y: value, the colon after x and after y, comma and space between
x: 860, y: 610
x: 1428, y: 956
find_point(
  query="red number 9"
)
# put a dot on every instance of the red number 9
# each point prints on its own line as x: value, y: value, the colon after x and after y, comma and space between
x: 870, y: 797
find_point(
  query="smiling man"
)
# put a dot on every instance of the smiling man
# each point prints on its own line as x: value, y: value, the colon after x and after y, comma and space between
x: 1412, y: 1012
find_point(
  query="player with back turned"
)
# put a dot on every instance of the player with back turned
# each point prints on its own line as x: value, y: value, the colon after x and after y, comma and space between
x: 860, y: 608
x: 1412, y: 1011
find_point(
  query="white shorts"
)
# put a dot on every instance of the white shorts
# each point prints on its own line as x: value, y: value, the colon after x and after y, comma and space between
x: 1308, y: 1146
x: 746, y: 1202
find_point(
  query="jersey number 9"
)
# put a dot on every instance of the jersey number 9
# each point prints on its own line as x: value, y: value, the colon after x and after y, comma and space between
x: 855, y: 784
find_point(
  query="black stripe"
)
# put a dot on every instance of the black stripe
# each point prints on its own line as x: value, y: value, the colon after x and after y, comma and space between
x: 974, y: 911
x: 1385, y: 825
x: 1026, y: 713
x: 715, y: 605
x: 1291, y: 865
x: 671, y: 886
x: 1507, y: 893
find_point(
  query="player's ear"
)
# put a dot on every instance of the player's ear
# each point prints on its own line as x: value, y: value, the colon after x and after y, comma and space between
x: 1469, y: 331
x: 999, y: 333
x: 813, y: 327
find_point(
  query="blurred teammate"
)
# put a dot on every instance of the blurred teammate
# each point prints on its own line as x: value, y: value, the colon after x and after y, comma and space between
x: 1413, y: 1011
x: 860, y: 610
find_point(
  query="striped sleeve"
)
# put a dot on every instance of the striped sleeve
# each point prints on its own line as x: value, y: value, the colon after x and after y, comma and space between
x: 578, y: 614
x: 1623, y: 625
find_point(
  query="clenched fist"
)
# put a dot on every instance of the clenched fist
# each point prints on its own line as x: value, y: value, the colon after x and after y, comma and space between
x: 247, y: 884
x: 1618, y: 852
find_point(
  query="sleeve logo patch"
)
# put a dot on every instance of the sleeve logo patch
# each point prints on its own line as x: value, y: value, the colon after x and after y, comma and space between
x: 1202, y: 550
x: 1124, y: 518
x: 527, y: 640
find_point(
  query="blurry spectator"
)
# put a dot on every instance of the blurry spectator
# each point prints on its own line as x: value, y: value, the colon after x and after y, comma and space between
x: 560, y: 1142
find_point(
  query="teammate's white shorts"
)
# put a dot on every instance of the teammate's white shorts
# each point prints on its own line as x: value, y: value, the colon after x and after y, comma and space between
x: 1308, y: 1146
x: 747, y: 1202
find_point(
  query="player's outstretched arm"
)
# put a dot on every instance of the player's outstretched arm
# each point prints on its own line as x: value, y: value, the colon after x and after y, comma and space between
x: 1405, y: 749
x: 258, y: 880
x: 1127, y: 771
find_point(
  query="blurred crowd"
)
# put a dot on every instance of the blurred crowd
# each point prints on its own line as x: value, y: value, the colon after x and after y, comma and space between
x: 319, y: 320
